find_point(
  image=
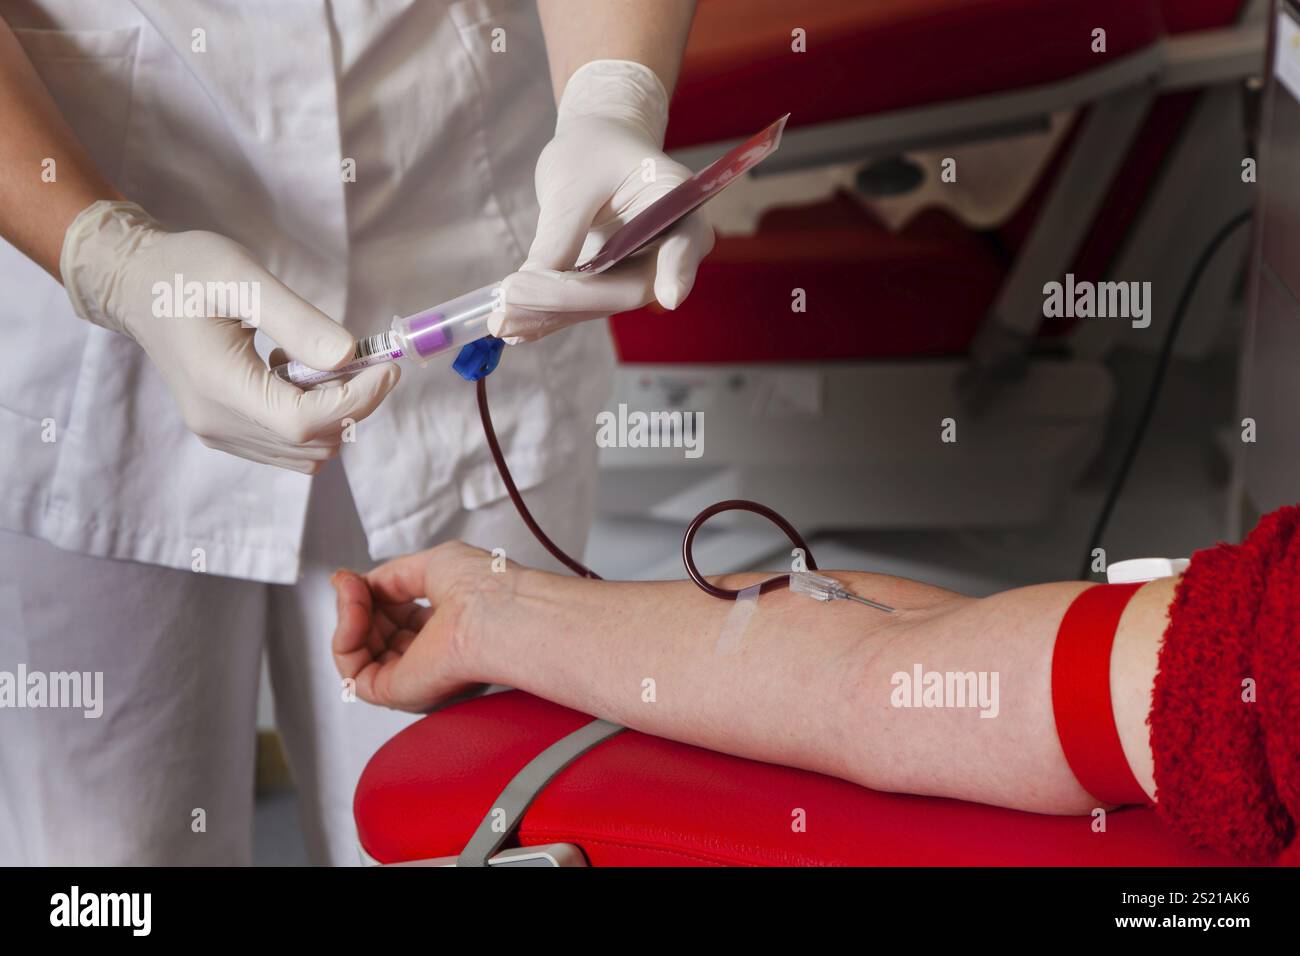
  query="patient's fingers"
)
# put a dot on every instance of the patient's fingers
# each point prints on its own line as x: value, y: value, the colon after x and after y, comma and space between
x: 402, y: 640
x: 415, y: 619
x: 396, y: 627
x: 369, y: 680
x: 353, y: 654
x: 391, y: 618
x: 353, y: 630
x: 370, y: 639
x: 400, y: 580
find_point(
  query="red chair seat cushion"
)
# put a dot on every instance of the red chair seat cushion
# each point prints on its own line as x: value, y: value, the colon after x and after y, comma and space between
x: 636, y: 800
x: 872, y: 57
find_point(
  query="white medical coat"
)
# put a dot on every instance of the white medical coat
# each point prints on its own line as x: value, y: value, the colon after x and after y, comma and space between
x: 240, y: 116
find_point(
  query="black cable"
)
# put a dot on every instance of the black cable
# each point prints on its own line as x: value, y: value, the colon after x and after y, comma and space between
x: 1157, y: 380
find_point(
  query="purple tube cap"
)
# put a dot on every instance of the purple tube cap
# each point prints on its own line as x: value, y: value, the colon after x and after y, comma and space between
x: 425, y: 336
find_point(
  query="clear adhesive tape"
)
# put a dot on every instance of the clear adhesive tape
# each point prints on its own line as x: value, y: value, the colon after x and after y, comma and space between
x: 737, y: 622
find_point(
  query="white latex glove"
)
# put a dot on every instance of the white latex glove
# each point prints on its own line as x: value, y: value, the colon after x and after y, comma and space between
x: 605, y: 164
x: 114, y: 253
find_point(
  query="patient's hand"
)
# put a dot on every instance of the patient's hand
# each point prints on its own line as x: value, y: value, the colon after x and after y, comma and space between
x: 402, y: 654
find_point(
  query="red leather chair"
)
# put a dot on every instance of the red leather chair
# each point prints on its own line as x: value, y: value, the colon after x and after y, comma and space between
x: 636, y: 800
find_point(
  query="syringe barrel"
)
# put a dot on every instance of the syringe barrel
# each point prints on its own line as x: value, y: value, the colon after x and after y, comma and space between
x: 449, y: 325
x: 416, y: 338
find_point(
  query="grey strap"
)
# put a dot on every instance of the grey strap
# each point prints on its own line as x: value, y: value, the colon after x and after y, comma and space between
x: 509, y: 808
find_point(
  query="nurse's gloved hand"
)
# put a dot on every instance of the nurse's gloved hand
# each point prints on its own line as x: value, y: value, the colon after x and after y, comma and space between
x: 605, y: 164
x: 121, y: 270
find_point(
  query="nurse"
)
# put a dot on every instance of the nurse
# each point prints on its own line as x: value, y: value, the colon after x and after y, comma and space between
x: 183, y: 185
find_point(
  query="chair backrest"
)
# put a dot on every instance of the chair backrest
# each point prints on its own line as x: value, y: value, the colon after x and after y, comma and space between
x: 1185, y: 16
x: 870, y: 57
x: 1145, y: 159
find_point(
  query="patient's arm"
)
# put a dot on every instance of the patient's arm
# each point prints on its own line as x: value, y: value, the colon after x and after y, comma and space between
x: 808, y: 685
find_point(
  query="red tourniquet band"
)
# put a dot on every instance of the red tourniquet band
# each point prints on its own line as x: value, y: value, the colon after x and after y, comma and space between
x: 1085, y: 719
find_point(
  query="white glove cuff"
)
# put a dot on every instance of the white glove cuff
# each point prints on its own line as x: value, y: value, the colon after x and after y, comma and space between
x: 620, y: 89
x: 99, y: 240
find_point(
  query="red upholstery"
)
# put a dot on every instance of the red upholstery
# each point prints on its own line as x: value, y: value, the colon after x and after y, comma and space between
x: 1185, y: 16
x: 868, y: 58
x: 639, y: 800
x: 882, y: 55
x: 930, y: 287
